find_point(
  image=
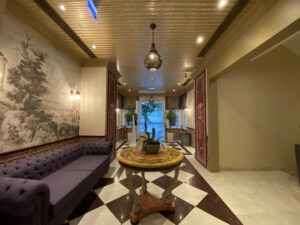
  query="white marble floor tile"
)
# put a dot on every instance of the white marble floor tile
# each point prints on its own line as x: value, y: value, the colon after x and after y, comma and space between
x: 153, y: 189
x: 111, y: 192
x: 98, y: 216
x: 183, y: 176
x: 198, y: 216
x: 286, y: 218
x: 244, y: 204
x: 189, y: 194
x: 115, y: 163
x: 111, y: 172
x: 182, y: 164
x: 123, y: 175
x: 151, y: 176
x: 153, y: 219
x: 258, y: 219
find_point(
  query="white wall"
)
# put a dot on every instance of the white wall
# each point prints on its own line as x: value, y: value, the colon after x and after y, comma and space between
x: 259, y: 113
x: 93, y: 101
x: 190, y: 104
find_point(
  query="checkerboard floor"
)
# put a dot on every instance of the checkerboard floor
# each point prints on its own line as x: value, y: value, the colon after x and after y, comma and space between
x: 195, y: 201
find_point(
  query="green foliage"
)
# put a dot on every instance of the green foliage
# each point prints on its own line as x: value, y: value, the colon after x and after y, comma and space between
x: 27, y: 78
x: 129, y: 114
x: 147, y: 109
x: 171, y: 116
x: 149, y: 140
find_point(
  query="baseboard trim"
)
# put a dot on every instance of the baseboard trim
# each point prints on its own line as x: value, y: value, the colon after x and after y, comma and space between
x: 31, y: 150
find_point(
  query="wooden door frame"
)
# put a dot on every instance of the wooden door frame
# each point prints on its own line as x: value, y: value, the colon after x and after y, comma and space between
x: 110, y: 74
x: 205, y: 119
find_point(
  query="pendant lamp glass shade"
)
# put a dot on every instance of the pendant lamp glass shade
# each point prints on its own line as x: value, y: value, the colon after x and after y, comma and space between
x: 153, y: 60
x: 151, y: 100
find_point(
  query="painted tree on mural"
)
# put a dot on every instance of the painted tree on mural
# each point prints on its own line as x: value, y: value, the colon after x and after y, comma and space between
x: 27, y: 78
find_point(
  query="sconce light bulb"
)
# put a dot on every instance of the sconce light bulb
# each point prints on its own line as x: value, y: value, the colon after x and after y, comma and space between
x: 77, y: 95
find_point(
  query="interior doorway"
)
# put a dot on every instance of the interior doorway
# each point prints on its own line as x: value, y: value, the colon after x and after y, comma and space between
x: 151, y: 116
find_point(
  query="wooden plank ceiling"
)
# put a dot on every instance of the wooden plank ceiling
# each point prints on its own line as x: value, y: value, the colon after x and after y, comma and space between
x: 122, y: 34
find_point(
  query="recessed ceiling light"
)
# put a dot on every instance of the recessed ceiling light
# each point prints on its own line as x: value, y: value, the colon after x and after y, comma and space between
x: 62, y: 7
x: 124, y: 83
x: 222, y: 3
x: 129, y: 90
x: 179, y: 83
x: 174, y: 90
x: 200, y: 39
x: 94, y: 46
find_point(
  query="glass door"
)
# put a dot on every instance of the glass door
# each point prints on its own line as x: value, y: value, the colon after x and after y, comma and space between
x: 151, y: 116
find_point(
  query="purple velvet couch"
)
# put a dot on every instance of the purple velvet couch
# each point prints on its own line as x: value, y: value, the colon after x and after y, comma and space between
x: 43, y: 189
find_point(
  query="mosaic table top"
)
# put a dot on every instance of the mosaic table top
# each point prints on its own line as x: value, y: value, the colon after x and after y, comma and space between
x: 166, y: 158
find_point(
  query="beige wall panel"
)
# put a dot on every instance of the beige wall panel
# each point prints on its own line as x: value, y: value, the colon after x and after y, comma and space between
x: 258, y: 113
x: 283, y: 13
x: 93, y: 101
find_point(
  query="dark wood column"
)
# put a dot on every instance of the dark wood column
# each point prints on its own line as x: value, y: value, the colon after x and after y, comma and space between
x: 112, y: 94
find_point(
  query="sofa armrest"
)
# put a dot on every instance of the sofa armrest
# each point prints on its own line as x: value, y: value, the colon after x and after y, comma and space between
x: 97, y: 147
x: 24, y: 197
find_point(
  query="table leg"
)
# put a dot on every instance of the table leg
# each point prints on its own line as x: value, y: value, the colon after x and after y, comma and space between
x: 167, y: 196
x: 137, y: 199
x: 144, y: 184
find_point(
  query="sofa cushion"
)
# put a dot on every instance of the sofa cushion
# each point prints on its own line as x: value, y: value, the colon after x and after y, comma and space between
x: 89, y: 163
x: 64, y: 185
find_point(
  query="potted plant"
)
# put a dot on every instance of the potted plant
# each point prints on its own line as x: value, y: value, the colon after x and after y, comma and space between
x: 171, y: 116
x: 150, y: 145
x: 129, y: 114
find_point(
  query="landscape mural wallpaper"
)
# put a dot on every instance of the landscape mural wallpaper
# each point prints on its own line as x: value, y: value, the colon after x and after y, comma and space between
x: 35, y: 84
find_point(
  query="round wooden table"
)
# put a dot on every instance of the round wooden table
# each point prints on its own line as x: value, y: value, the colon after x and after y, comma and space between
x: 135, y: 161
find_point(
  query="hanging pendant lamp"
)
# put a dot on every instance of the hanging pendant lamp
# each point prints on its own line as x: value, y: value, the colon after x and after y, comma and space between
x: 151, y: 99
x: 153, y: 60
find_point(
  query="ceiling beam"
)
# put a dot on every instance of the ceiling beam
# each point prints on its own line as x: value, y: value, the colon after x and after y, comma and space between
x: 226, y: 22
x: 45, y: 6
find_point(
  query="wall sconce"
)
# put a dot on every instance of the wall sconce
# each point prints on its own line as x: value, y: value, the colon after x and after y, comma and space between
x: 75, y: 96
x: 187, y: 109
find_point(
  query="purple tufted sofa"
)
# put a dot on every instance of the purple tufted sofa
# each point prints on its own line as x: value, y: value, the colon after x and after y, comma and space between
x: 43, y: 189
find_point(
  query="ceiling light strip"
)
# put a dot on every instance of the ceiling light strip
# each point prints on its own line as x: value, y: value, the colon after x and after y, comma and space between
x: 63, y: 25
x: 226, y: 22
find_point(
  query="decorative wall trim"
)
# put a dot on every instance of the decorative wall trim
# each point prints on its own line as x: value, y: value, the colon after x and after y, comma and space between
x: 184, y: 148
x: 191, y: 129
x: 118, y: 147
x: 221, y: 29
x: 23, y: 152
x: 64, y: 26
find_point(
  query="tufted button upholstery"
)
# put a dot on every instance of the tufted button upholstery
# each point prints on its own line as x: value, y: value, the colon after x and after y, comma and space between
x: 24, y: 194
x: 22, y: 197
x: 41, y: 165
x: 96, y: 147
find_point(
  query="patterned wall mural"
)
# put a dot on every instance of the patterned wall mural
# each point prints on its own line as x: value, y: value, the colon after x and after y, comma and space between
x: 35, y: 83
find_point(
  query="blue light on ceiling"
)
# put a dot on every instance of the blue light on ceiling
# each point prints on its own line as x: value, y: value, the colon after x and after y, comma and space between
x: 92, y: 8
